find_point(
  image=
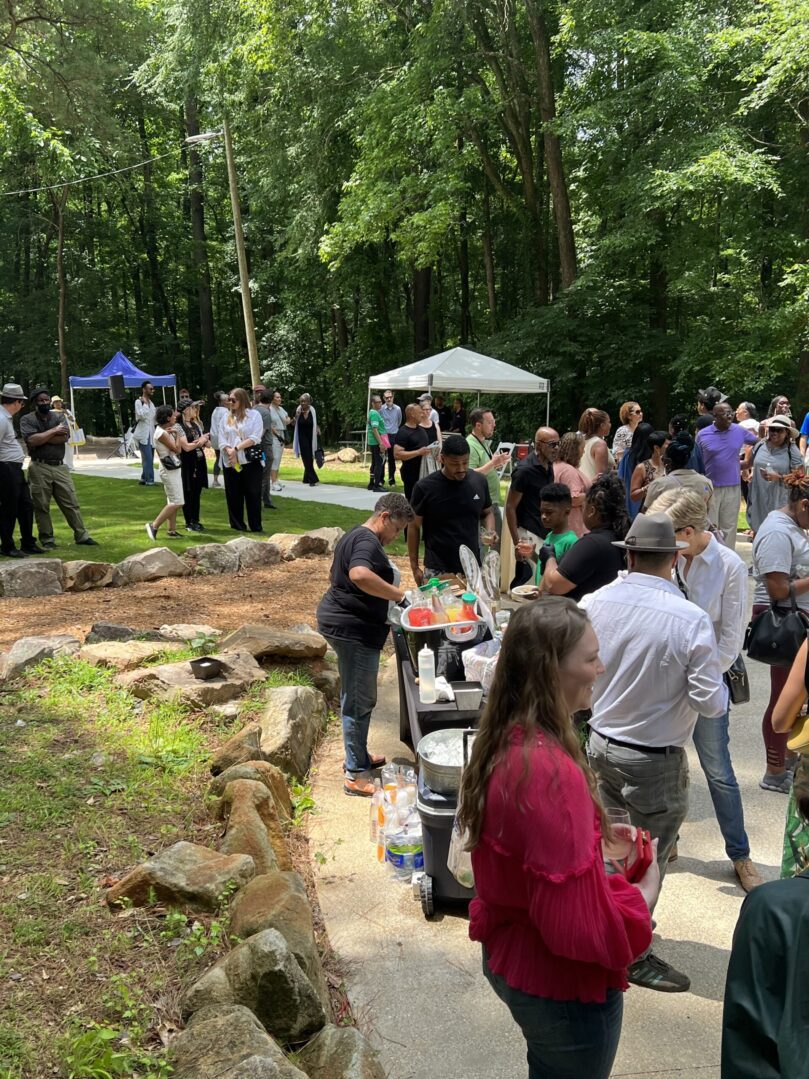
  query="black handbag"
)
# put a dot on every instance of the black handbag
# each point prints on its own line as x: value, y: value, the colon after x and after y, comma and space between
x: 775, y: 636
x: 320, y: 457
x: 253, y: 454
x: 169, y: 462
x: 737, y: 681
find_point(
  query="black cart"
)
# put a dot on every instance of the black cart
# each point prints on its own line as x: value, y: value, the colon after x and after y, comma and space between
x: 438, y: 886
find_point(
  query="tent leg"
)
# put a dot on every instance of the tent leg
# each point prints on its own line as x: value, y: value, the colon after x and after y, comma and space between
x: 365, y: 436
x: 548, y: 407
x: 73, y: 414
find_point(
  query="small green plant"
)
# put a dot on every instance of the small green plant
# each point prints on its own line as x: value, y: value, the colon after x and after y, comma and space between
x: 302, y: 802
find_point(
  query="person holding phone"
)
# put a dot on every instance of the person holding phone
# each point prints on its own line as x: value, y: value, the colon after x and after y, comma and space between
x: 772, y: 459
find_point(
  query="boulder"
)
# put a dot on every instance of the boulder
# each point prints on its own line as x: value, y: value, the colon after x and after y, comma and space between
x: 253, y: 553
x: 125, y: 655
x: 262, y: 974
x: 30, y: 577
x: 300, y: 546
x: 188, y: 631
x: 348, y: 455
x: 112, y: 631
x: 261, y: 641
x: 183, y: 875
x: 240, y: 749
x: 279, y: 901
x: 341, y: 1053
x: 331, y: 536
x: 28, y: 651
x: 292, y: 719
x: 226, y: 1042
x: 81, y: 576
x: 169, y: 680
x: 253, y: 826
x: 327, y: 681
x: 261, y: 772
x: 152, y: 565
x: 212, y: 558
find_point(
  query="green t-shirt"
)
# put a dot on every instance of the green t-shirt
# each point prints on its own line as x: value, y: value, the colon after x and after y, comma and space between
x: 375, y: 425
x: 561, y: 543
x: 479, y: 454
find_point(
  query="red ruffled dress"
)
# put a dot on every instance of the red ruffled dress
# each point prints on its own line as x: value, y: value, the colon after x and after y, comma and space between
x: 552, y: 921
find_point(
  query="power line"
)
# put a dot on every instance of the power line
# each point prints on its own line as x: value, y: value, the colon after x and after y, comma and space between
x: 84, y: 179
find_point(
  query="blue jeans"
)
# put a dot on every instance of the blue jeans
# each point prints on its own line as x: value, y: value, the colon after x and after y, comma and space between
x: 358, y: 666
x: 147, y: 461
x: 566, y: 1038
x: 711, y: 741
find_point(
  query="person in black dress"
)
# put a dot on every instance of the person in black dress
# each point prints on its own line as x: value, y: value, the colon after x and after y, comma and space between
x: 306, y: 436
x: 193, y: 466
x: 457, y: 424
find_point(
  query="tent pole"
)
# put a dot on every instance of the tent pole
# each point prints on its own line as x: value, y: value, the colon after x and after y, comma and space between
x: 548, y: 406
x: 73, y: 414
x: 365, y: 434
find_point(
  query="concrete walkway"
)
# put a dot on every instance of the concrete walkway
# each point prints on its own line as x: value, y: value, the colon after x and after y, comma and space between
x: 416, y: 986
x: 330, y: 494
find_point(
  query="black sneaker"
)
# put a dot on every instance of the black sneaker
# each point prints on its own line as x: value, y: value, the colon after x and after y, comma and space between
x: 34, y: 548
x: 151, y: 532
x: 653, y: 973
x: 89, y: 542
x: 49, y: 545
x: 12, y: 552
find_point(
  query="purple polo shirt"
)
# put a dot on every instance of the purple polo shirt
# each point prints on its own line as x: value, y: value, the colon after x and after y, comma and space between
x: 720, y: 450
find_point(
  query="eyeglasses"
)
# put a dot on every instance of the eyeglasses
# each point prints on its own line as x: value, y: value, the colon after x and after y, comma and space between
x: 232, y: 400
x: 550, y: 442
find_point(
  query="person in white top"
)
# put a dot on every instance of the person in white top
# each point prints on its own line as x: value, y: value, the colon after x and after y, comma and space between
x: 144, y: 431
x: 240, y: 451
x: 715, y: 578
x: 595, y: 425
x: 662, y: 669
x: 218, y: 416
x: 167, y: 445
x: 281, y: 420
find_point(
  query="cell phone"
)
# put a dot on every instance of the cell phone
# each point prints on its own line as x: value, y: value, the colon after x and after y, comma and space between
x: 764, y: 471
x: 645, y: 856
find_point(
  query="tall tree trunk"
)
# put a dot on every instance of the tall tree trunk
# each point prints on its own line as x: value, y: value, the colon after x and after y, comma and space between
x: 488, y: 258
x: 659, y: 319
x: 59, y: 203
x: 463, y: 268
x: 200, y: 252
x: 422, y: 289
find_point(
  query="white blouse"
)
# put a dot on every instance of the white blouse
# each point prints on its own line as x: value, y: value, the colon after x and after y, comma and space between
x: 231, y: 434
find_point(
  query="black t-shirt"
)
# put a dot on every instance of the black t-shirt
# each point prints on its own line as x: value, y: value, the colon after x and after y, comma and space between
x: 704, y: 421
x: 444, y: 417
x: 592, y: 562
x: 345, y: 610
x: 530, y: 479
x: 411, y: 438
x: 451, y: 512
x: 457, y: 421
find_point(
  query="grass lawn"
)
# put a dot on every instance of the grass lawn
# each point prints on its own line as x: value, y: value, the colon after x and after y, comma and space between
x: 115, y: 512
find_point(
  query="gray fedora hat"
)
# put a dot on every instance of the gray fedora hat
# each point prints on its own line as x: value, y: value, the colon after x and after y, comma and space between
x: 651, y: 532
x: 13, y: 389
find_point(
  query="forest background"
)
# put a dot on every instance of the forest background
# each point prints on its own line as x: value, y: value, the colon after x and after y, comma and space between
x: 610, y: 193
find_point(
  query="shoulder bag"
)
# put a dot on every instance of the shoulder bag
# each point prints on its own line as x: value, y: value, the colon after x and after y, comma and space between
x: 775, y: 636
x: 253, y: 454
x: 170, y: 462
x: 737, y: 681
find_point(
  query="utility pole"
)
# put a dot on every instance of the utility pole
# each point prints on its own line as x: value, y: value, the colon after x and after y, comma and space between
x: 244, y: 278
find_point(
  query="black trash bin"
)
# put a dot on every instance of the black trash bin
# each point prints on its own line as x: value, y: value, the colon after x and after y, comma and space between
x: 437, y: 812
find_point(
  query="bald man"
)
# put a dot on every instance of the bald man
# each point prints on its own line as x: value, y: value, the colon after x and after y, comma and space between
x: 411, y: 444
x: 530, y: 478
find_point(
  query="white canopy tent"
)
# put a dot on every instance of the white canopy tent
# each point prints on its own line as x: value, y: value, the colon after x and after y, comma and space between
x: 462, y: 370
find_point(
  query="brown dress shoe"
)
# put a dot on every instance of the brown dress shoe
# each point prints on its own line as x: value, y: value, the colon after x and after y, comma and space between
x: 749, y: 876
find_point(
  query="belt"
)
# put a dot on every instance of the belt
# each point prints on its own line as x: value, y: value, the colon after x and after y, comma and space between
x: 637, y: 748
x: 45, y: 461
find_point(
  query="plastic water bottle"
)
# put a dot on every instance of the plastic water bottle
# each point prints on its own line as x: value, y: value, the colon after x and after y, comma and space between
x: 377, y: 818
x: 427, y: 676
x: 387, y: 816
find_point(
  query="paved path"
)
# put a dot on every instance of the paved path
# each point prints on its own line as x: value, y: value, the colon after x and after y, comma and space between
x: 417, y: 988
x: 330, y: 494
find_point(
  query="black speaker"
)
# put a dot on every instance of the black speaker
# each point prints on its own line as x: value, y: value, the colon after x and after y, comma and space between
x: 117, y: 387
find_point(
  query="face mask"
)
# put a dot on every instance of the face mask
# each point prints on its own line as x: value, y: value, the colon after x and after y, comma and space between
x: 43, y: 408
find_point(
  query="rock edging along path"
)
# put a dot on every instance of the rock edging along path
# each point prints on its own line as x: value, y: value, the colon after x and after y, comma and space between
x: 269, y: 992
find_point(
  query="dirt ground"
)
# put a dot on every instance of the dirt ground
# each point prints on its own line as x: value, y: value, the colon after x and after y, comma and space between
x: 281, y: 595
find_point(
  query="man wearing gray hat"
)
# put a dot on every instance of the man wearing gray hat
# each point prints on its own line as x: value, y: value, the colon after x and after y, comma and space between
x: 662, y: 670
x: 15, y: 497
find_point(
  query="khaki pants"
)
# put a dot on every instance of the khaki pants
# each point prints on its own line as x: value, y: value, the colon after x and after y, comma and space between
x: 723, y: 509
x: 53, y: 482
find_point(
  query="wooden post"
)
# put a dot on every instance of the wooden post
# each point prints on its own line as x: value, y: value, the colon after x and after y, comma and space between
x: 244, y: 278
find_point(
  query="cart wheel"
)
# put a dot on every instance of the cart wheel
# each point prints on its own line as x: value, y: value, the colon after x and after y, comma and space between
x: 427, y: 898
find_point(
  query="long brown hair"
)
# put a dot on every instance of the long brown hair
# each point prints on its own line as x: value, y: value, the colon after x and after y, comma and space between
x: 571, y: 448
x: 526, y: 694
x: 243, y: 402
x: 591, y: 421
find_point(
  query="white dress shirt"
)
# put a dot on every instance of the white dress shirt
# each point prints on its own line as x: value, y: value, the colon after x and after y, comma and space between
x: 716, y: 580
x: 231, y: 434
x: 144, y: 421
x: 661, y: 660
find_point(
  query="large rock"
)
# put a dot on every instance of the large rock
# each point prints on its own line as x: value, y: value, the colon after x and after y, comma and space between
x: 30, y: 577
x: 212, y: 558
x: 293, y: 546
x: 81, y: 576
x: 125, y: 655
x: 253, y: 826
x: 279, y: 901
x: 170, y: 680
x: 261, y: 641
x: 331, y: 536
x: 254, y: 553
x: 240, y: 749
x: 262, y: 974
x: 348, y: 455
x: 292, y: 719
x: 227, y: 1042
x: 152, y: 565
x: 185, y: 875
x: 261, y: 772
x: 112, y: 631
x: 327, y: 680
x: 189, y: 631
x: 341, y: 1053
x: 28, y: 651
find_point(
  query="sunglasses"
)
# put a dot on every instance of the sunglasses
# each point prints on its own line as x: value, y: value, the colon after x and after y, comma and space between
x: 636, y: 412
x: 550, y: 442
x: 232, y: 400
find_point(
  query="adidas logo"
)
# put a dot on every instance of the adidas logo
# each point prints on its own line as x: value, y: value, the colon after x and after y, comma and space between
x: 476, y: 498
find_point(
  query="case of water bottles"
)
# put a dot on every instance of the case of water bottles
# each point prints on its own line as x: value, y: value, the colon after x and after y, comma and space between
x: 395, y: 825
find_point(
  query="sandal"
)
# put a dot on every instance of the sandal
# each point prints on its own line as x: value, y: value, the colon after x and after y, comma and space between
x: 782, y: 783
x: 172, y: 534
x: 361, y: 787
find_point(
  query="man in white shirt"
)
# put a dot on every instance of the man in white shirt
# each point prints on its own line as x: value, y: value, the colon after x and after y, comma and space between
x: 144, y: 432
x: 662, y: 669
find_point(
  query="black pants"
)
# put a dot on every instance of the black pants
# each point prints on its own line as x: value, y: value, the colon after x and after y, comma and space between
x: 195, y: 480
x: 16, y: 507
x: 307, y: 456
x: 391, y: 462
x: 377, y: 466
x: 243, y: 492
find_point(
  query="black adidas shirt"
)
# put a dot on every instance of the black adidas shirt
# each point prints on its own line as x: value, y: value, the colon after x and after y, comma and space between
x: 451, y: 511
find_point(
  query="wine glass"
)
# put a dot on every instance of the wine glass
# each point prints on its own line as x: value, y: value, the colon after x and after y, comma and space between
x: 617, y: 847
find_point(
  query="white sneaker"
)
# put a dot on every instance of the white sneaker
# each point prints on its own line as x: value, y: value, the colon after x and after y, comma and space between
x: 276, y: 488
